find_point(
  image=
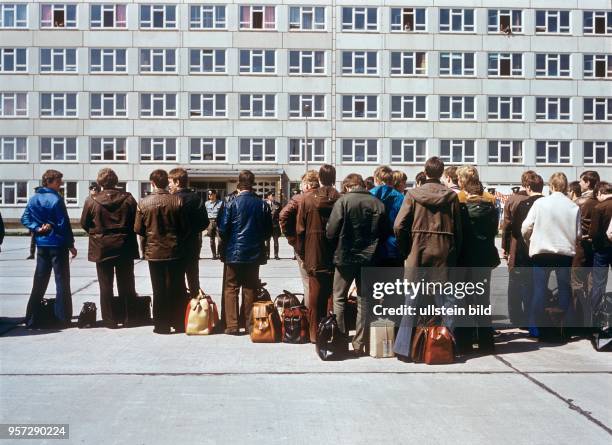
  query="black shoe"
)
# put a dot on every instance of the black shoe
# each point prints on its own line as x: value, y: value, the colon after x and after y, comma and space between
x: 109, y: 324
x: 403, y: 358
x: 163, y: 330
x: 231, y: 331
x: 277, y: 257
x: 31, y: 257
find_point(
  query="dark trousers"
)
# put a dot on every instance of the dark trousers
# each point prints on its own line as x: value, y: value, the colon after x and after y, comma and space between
x: 275, y: 235
x: 169, y: 294
x: 319, y: 300
x: 123, y: 269
x: 245, y: 276
x: 191, y: 264
x: 602, y: 260
x: 213, y: 233
x: 56, y: 259
x: 32, y: 244
x: 343, y: 278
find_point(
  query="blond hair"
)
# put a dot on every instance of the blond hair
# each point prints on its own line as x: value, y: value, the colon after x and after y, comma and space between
x: 558, y: 182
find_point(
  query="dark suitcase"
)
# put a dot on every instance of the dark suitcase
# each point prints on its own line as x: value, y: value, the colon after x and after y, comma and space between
x: 88, y: 315
x: 295, y: 325
x: 43, y: 316
x: 284, y: 301
x: 331, y: 343
x: 602, y: 325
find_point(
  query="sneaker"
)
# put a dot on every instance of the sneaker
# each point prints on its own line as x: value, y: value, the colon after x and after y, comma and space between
x: 163, y: 330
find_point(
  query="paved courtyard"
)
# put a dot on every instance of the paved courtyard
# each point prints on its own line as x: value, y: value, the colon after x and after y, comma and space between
x: 130, y: 386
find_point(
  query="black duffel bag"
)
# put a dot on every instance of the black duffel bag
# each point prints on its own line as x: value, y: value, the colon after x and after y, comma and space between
x: 331, y: 343
x: 88, y: 315
x: 602, y: 325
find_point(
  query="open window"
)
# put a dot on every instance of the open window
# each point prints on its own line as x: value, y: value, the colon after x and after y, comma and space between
x: 59, y: 18
x: 258, y: 19
x: 504, y: 67
x: 600, y: 25
x: 600, y: 68
x: 408, y: 19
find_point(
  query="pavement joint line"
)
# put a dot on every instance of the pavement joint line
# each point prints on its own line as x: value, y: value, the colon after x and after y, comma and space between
x: 570, y: 402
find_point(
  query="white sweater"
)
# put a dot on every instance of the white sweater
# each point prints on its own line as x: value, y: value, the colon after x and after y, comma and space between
x: 552, y: 226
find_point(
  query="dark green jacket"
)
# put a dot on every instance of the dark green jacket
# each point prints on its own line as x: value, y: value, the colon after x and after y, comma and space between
x: 480, y: 226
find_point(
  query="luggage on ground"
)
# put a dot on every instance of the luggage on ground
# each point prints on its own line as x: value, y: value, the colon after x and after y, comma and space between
x: 201, y: 315
x: 88, y: 315
x: 43, y: 315
x: 265, y: 323
x: 284, y: 301
x: 382, y: 338
x: 432, y: 344
x: 295, y: 325
x: 331, y: 343
x: 602, y: 325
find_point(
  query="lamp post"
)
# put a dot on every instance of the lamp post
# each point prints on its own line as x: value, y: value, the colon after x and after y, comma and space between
x: 306, y: 112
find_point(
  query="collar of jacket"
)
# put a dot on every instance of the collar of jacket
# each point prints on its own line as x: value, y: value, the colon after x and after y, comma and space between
x: 432, y: 181
x: 160, y: 192
x: 47, y: 190
x: 588, y: 194
x: 358, y: 190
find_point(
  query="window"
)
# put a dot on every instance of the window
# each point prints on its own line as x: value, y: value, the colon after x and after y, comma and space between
x: 207, y: 17
x: 315, y: 150
x: 360, y: 150
x: 145, y: 189
x: 159, y: 60
x: 505, y: 152
x: 552, y: 65
x: 306, y: 18
x: 58, y: 149
x: 553, y: 108
x: 108, y: 16
x: 258, y: 150
x: 58, y: 60
x: 207, y: 150
x: 257, y: 61
x: 258, y: 105
x: 13, y: 193
x: 206, y: 61
x: 505, y: 108
x: 69, y: 190
x: 257, y: 17
x: 360, y: 62
x: 456, y: 20
x: 158, y: 150
x: 307, y: 105
x: 597, y: 22
x: 359, y: 19
x: 13, y: 149
x: 598, y: 152
x: 157, y: 105
x: 408, y: 19
x: 457, y: 151
x: 13, y: 60
x: 307, y: 62
x: 13, y: 15
x: 408, y: 151
x: 58, y: 104
x: 553, y: 152
x: 107, y: 149
x: 359, y: 107
x: 597, y: 109
x: 457, y: 107
x: 158, y: 16
x: 552, y: 22
x: 107, y: 60
x: 505, y: 64
x: 408, y: 107
x: 506, y: 21
x: 408, y: 63
x: 597, y: 66
x: 13, y: 104
x: 58, y: 16
x: 207, y: 105
x: 108, y: 105
x: 456, y: 64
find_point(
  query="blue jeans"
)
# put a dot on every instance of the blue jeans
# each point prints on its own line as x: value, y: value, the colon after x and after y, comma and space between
x: 601, y: 263
x: 56, y: 259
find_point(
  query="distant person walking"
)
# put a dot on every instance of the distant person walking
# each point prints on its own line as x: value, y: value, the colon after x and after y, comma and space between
x: 275, y: 209
x: 213, y: 205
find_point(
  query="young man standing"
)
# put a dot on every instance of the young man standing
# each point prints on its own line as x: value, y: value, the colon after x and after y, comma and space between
x: 602, y: 245
x: 213, y: 205
x: 275, y: 209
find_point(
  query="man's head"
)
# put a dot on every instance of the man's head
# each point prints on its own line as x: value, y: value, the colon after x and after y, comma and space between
x: 573, y: 190
x: 107, y: 178
x: 449, y: 178
x: 327, y: 175
x: 369, y: 182
x: 310, y: 180
x: 352, y: 181
x: 212, y: 195
x: 383, y: 175
x: 420, y: 179
x: 527, y: 177
x: 535, y: 185
x: 588, y: 180
x: 467, y: 175
x: 159, y: 179
x: 52, y: 179
x: 603, y: 190
x: 177, y: 179
x: 434, y: 168
x: 399, y: 181
x: 246, y: 180
x: 558, y: 182
x: 270, y: 195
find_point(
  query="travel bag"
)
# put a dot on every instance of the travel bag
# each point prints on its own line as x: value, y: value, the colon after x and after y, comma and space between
x: 284, y: 301
x: 382, y: 338
x: 331, y: 343
x: 201, y: 315
x: 88, y: 315
x: 265, y: 323
x: 295, y: 325
x: 432, y: 344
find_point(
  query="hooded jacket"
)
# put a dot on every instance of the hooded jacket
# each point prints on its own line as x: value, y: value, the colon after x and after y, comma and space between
x: 48, y: 207
x: 392, y: 199
x: 479, y: 221
x: 108, y: 218
x: 428, y: 226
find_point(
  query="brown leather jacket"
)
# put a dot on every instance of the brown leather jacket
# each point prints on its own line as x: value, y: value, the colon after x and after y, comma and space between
x: 509, y: 241
x: 108, y: 219
x: 161, y: 221
x: 584, y: 246
x: 602, y: 214
x: 288, y: 218
x: 311, y: 221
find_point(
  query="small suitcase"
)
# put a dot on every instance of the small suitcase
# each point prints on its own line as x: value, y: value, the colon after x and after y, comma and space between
x: 201, y: 315
x: 265, y: 323
x: 284, y: 301
x: 382, y: 338
x: 88, y: 315
x: 295, y: 325
x: 331, y: 343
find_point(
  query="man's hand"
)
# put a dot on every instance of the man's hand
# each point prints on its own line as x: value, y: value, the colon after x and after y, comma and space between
x: 44, y: 229
x: 73, y: 251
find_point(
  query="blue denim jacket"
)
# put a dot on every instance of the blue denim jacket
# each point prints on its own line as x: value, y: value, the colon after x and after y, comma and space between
x: 48, y: 207
x: 393, y: 201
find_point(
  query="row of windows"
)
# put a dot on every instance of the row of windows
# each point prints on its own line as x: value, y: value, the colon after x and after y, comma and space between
x: 304, y: 18
x: 311, y: 63
x: 264, y: 106
x: 403, y: 151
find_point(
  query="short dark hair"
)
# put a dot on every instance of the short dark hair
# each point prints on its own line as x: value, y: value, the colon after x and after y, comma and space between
x: 528, y: 177
x: 537, y: 184
x: 327, y: 174
x: 434, y: 167
x: 180, y: 175
x: 592, y: 177
x: 451, y: 172
x: 51, y: 176
x: 369, y: 182
x: 603, y: 187
x: 107, y: 178
x: 384, y: 174
x: 574, y: 186
x: 246, y: 180
x: 353, y: 180
x: 159, y: 177
x: 270, y: 193
x: 420, y: 178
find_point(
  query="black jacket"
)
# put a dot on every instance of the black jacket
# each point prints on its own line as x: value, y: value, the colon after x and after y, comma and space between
x: 1, y: 229
x: 356, y: 225
x: 479, y: 222
x: 195, y: 212
x: 522, y: 258
x: 602, y: 214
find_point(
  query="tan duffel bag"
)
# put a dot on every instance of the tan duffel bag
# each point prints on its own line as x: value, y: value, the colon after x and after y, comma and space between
x: 265, y: 323
x: 201, y: 315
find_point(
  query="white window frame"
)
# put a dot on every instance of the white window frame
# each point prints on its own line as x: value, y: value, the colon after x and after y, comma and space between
x: 510, y: 149
x: 549, y: 106
x: 595, y: 59
x: 356, y: 14
x: 114, y: 99
x: 462, y: 13
x: 59, y: 56
x: 68, y: 112
x: 218, y: 102
x: 597, y: 103
x: 157, y: 54
x: 217, y: 146
x: 310, y: 100
x: 111, y: 53
x: 550, y: 61
x: 455, y: 57
x: 552, y: 146
x: 362, y: 57
x: 462, y: 102
x: 107, y: 7
x: 156, y: 9
x: 66, y: 190
x: 409, y: 108
x: 358, y: 102
x: 589, y: 30
x: 253, y: 55
x: 19, y: 66
x: 66, y: 147
x: 7, y: 98
x: 316, y: 150
x: 20, y: 191
x: 495, y: 16
x: 256, y: 9
x: 408, y: 59
x: 464, y: 145
x: 411, y: 151
x: 363, y: 145
x: 149, y: 112
x: 18, y: 145
x: 305, y: 11
x: 303, y: 57
x: 259, y: 100
x: 168, y: 147
x: 495, y: 61
x: 117, y: 148
x: 404, y: 14
x: 218, y: 14
x: 549, y: 17
x: 255, y: 145
x: 59, y: 7
x: 501, y: 103
x: 214, y: 55
x: 14, y: 9
x: 597, y: 149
